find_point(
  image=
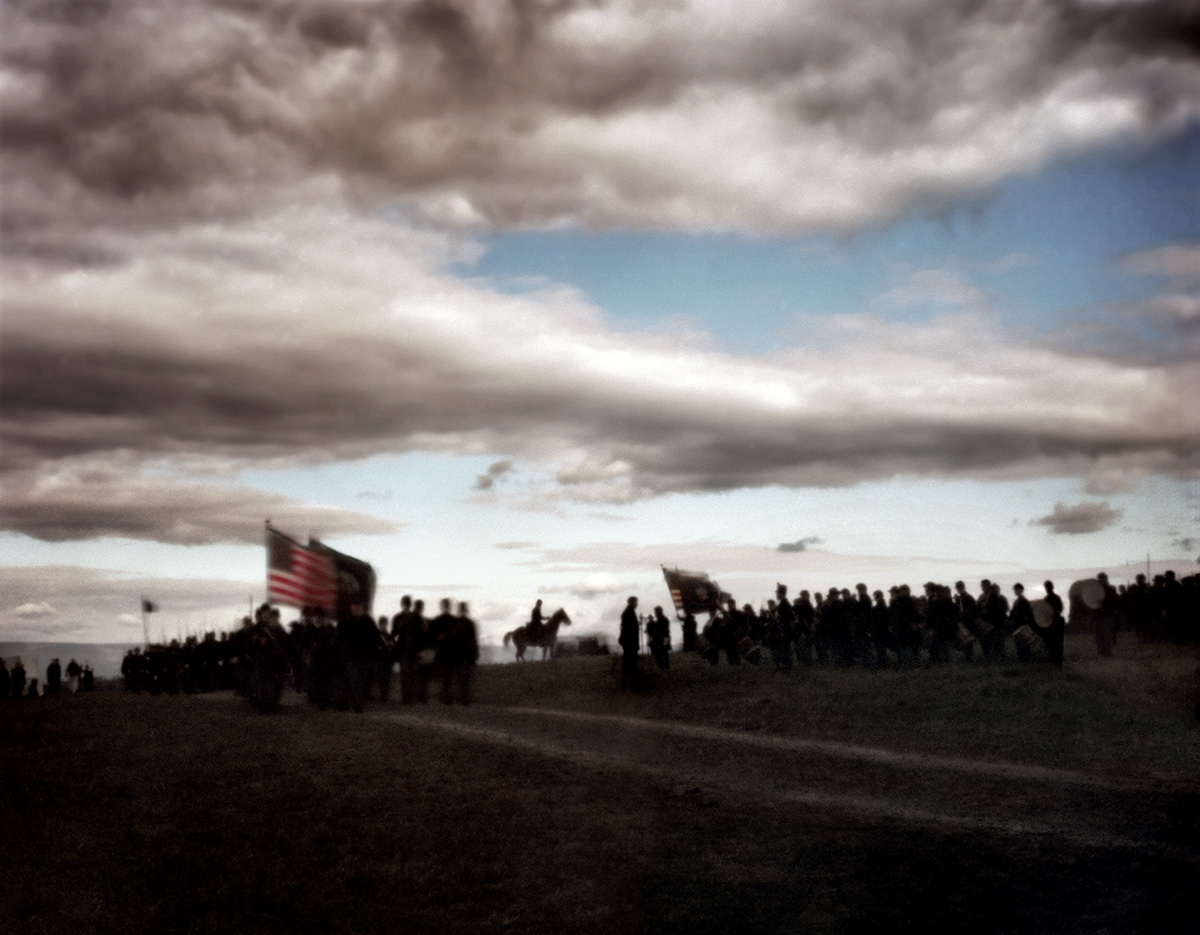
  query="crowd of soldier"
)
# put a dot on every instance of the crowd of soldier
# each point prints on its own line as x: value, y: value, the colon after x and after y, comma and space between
x: 336, y: 663
x: 16, y: 683
x: 871, y: 629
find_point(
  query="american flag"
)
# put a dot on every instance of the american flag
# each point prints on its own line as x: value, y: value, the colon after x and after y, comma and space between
x: 691, y: 591
x: 299, y: 576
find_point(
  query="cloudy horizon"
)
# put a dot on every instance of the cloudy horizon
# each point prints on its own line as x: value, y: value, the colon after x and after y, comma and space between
x: 501, y: 297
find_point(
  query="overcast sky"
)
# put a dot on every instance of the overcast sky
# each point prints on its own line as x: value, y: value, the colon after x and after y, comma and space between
x: 526, y: 299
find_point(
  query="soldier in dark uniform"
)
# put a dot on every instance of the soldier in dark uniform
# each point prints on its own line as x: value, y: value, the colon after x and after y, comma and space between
x: 995, y: 612
x: 689, y: 633
x: 802, y: 632
x: 462, y: 653
x: 968, y: 618
x: 53, y: 677
x: 536, y: 626
x: 785, y: 630
x: 18, y: 679
x: 357, y: 643
x: 658, y: 636
x: 1054, y: 634
x: 1020, y: 616
x: 1106, y: 618
x: 628, y: 641
x: 5, y: 680
x: 441, y: 639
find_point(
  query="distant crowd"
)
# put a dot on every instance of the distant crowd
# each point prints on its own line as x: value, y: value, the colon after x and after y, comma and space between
x: 335, y: 662
x: 16, y: 682
x: 873, y: 629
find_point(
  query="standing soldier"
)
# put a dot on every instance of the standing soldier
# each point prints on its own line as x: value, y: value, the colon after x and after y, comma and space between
x: 629, y: 642
x: 357, y: 642
x: 1053, y: 635
x: 658, y: 635
x: 463, y: 653
x: 441, y: 639
x: 785, y: 629
x: 1021, y: 619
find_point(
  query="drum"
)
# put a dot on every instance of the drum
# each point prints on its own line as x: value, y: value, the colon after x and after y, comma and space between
x: 983, y: 628
x: 1088, y: 592
x: 749, y: 650
x: 1043, y: 613
x: 703, y: 644
x: 1025, y: 636
x: 965, y: 638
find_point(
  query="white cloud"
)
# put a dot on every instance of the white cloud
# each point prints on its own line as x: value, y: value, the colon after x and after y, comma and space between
x: 32, y: 610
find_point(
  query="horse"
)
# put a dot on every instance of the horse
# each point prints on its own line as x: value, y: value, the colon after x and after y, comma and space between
x: 549, y: 636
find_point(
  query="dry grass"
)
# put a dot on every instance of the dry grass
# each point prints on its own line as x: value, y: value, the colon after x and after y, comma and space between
x: 189, y: 814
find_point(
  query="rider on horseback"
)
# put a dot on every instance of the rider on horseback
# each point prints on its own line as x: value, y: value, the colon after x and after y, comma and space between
x: 533, y: 630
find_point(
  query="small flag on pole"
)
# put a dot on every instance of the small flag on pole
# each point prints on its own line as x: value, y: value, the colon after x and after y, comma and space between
x: 148, y: 606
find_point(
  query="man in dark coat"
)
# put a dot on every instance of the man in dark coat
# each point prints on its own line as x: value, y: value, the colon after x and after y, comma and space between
x: 1054, y: 634
x: 441, y: 638
x: 1021, y: 616
x: 462, y: 653
x: 658, y: 633
x: 628, y: 641
x: 53, y: 677
x: 358, y: 644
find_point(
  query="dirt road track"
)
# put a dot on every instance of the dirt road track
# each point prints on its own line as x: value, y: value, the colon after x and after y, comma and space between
x: 707, y: 766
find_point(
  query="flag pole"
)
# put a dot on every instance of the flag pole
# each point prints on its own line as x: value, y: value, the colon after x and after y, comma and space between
x: 145, y: 625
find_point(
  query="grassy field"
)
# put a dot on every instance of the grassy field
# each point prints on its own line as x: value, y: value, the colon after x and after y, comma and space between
x: 125, y: 813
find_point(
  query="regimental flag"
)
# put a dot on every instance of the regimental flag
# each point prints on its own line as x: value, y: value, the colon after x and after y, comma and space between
x: 148, y: 606
x: 355, y: 578
x: 691, y: 591
x: 300, y: 576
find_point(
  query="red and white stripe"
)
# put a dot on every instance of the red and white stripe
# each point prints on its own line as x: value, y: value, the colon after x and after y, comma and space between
x: 312, y: 579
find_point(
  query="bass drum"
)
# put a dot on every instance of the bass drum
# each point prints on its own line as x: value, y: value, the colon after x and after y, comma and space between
x: 1025, y: 636
x: 1043, y: 613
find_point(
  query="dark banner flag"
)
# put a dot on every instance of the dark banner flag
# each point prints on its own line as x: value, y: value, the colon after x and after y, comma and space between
x: 355, y: 578
x: 299, y: 576
x: 692, y: 592
x: 148, y: 606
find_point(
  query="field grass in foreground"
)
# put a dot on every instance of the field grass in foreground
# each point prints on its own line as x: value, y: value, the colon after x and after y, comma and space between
x: 134, y: 814
x: 1128, y: 715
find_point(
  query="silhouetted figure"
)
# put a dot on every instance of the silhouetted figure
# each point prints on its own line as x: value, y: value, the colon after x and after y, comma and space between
x: 803, y: 639
x: 5, y: 680
x: 463, y: 655
x: 73, y: 674
x: 408, y: 627
x: 658, y: 637
x: 1106, y: 618
x: 689, y: 633
x: 89, y: 678
x: 1021, y: 620
x: 783, y: 630
x: 441, y: 638
x: 968, y: 620
x: 1053, y: 635
x: 53, y: 677
x: 18, y: 679
x: 357, y: 644
x: 534, y: 629
x: 628, y: 641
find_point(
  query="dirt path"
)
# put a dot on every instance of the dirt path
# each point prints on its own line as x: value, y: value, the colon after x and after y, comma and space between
x: 708, y: 766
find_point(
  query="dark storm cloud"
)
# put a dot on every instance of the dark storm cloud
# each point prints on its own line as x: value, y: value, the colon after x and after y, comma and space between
x: 1084, y: 517
x: 198, y: 274
x: 526, y: 112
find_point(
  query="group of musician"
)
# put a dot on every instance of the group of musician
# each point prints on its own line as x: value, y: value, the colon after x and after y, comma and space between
x: 873, y: 629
